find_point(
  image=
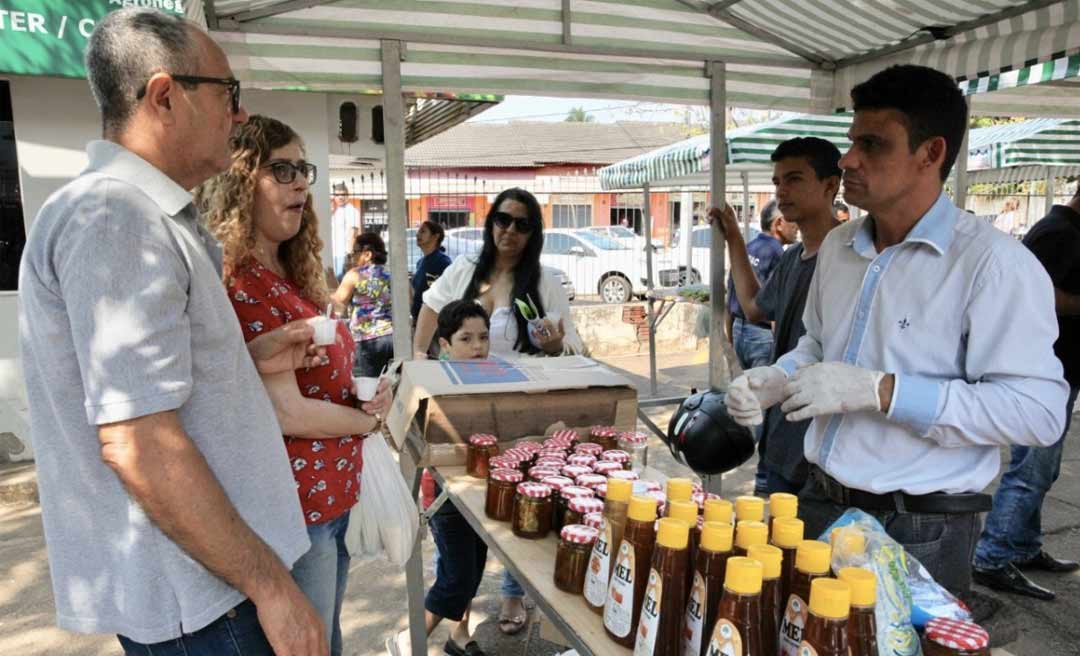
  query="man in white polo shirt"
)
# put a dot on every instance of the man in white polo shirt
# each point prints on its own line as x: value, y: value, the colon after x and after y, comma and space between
x: 929, y: 339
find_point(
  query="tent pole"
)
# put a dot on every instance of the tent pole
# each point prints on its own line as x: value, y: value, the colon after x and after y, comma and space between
x: 646, y: 216
x: 1049, y: 190
x: 717, y: 185
x: 746, y: 205
x: 394, y: 142
x: 960, y: 181
x: 686, y: 223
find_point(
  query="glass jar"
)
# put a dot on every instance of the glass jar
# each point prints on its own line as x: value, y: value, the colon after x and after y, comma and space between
x: 563, y: 497
x: 573, y: 471
x: 549, y: 462
x: 537, y: 474
x: 637, y: 445
x: 552, y: 452
x: 589, y: 480
x: 582, y: 459
x: 501, y: 487
x: 557, y: 483
x: 661, y: 501
x: 588, y: 448
x: 523, y: 457
x: 946, y: 637
x: 624, y: 474
x: 578, y: 507
x: 568, y: 435
x: 572, y: 557
x: 617, y: 455
x: 642, y: 487
x: 481, y: 447
x: 604, y: 467
x: 528, y: 445
x: 532, y: 511
x: 503, y: 461
x: 606, y: 436
x: 594, y: 519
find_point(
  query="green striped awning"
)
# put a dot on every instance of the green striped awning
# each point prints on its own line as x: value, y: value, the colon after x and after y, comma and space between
x: 1043, y: 142
x: 751, y: 145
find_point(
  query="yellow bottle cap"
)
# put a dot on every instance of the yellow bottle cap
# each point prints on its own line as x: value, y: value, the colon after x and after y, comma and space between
x: 717, y: 536
x: 848, y: 541
x: 679, y: 489
x: 830, y: 598
x: 642, y: 509
x: 770, y: 558
x: 782, y: 504
x: 718, y: 510
x: 672, y: 533
x: 619, y: 489
x: 748, y: 533
x: 813, y: 557
x: 684, y: 510
x: 787, y: 532
x: 749, y: 509
x: 743, y: 576
x: 863, y: 585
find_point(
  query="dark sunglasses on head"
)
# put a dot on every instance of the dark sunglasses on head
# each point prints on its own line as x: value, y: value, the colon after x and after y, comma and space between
x: 285, y: 171
x: 522, y: 224
x: 232, y: 83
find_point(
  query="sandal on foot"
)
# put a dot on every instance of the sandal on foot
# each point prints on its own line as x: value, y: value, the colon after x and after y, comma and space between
x: 471, y: 649
x: 513, y: 625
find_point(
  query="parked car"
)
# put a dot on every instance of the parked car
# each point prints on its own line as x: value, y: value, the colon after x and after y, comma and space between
x: 623, y: 235
x: 670, y: 266
x: 595, y: 264
x: 567, y: 286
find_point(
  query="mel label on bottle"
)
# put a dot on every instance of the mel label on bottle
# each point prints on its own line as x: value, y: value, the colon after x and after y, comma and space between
x: 649, y: 624
x: 806, y: 650
x: 792, y: 625
x: 695, y: 618
x: 619, y: 609
x: 725, y: 641
x: 596, y: 576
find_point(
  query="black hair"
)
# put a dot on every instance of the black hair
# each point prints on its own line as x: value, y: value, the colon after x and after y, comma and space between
x: 527, y: 272
x: 369, y: 241
x: 822, y: 156
x: 435, y: 229
x: 930, y: 101
x: 841, y: 207
x: 453, y: 316
x: 768, y: 215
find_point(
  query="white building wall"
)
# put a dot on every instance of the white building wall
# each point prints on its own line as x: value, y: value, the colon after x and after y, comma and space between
x: 54, y: 119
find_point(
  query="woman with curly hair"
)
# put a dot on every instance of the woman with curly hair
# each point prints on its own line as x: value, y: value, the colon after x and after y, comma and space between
x: 365, y: 290
x: 261, y: 212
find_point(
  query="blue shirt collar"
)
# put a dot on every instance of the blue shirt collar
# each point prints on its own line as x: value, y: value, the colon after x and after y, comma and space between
x: 114, y: 160
x: 935, y: 228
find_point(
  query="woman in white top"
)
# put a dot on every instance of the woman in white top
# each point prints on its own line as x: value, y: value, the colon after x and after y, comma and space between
x: 506, y: 269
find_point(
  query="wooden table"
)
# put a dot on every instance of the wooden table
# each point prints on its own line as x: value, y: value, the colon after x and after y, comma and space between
x: 532, y: 563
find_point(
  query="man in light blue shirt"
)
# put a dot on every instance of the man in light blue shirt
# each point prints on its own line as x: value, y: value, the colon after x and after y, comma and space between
x: 929, y: 339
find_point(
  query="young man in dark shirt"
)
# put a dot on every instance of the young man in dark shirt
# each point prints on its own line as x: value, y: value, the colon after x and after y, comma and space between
x: 1012, y: 538
x: 806, y: 173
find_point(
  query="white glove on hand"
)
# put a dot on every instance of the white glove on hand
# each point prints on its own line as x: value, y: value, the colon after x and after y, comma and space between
x: 830, y: 388
x: 752, y: 393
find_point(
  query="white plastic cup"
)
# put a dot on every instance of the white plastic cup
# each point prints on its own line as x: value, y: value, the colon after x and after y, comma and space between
x: 325, y: 330
x: 365, y: 387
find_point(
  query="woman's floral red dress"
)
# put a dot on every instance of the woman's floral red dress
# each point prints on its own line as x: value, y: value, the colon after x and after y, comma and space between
x: 327, y: 471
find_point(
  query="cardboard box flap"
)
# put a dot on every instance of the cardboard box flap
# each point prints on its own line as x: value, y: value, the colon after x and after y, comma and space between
x: 428, y: 379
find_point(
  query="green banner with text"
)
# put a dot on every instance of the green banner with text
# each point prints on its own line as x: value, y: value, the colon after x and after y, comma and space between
x: 48, y: 37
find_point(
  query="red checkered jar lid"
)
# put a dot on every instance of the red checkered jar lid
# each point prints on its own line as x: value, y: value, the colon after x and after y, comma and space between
x: 534, y: 490
x: 483, y: 439
x: 506, y: 475
x: 575, y: 491
x: 579, y: 534
x: 956, y: 634
x: 558, y: 482
x: 586, y: 505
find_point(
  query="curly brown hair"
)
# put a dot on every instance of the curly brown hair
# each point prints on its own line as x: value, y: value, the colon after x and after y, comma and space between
x: 228, y: 199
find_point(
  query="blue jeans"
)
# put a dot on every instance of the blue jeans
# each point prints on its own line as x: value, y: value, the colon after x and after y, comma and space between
x: 754, y: 346
x: 322, y: 573
x: 460, y: 556
x: 236, y: 633
x: 372, y: 355
x: 510, y: 586
x: 1013, y: 530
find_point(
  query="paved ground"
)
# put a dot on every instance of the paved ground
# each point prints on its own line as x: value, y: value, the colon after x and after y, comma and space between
x: 375, y: 605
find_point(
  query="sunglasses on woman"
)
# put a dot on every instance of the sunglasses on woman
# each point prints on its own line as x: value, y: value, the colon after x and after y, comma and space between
x: 522, y: 224
x: 285, y: 171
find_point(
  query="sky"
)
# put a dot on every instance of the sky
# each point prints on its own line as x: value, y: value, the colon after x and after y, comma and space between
x: 537, y: 108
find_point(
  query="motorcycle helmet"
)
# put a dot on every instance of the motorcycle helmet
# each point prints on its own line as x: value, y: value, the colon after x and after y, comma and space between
x: 703, y: 436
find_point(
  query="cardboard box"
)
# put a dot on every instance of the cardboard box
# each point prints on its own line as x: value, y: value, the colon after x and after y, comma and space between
x: 511, y: 399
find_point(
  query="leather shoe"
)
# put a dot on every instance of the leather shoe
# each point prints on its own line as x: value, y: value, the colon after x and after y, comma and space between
x: 1010, y: 579
x: 1048, y: 563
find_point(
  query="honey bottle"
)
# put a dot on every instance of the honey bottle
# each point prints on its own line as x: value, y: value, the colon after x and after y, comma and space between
x: 782, y: 506
x: 708, y: 584
x: 626, y: 590
x: 862, y: 626
x: 664, y: 606
x: 679, y: 489
x: 826, y: 630
x: 738, y: 625
x: 748, y: 532
x: 602, y: 560
x: 787, y: 534
x: 772, y: 604
x: 749, y: 509
x: 687, y: 512
x: 718, y: 510
x: 811, y: 562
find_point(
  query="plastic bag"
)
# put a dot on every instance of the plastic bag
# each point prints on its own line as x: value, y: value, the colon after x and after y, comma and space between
x: 385, y: 520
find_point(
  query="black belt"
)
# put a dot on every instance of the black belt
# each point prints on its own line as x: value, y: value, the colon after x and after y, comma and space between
x: 936, y: 502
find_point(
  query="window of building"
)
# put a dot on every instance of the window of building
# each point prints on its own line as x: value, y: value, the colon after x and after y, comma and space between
x: 450, y: 218
x: 12, y: 228
x: 571, y: 216
x: 628, y: 217
x: 373, y: 215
